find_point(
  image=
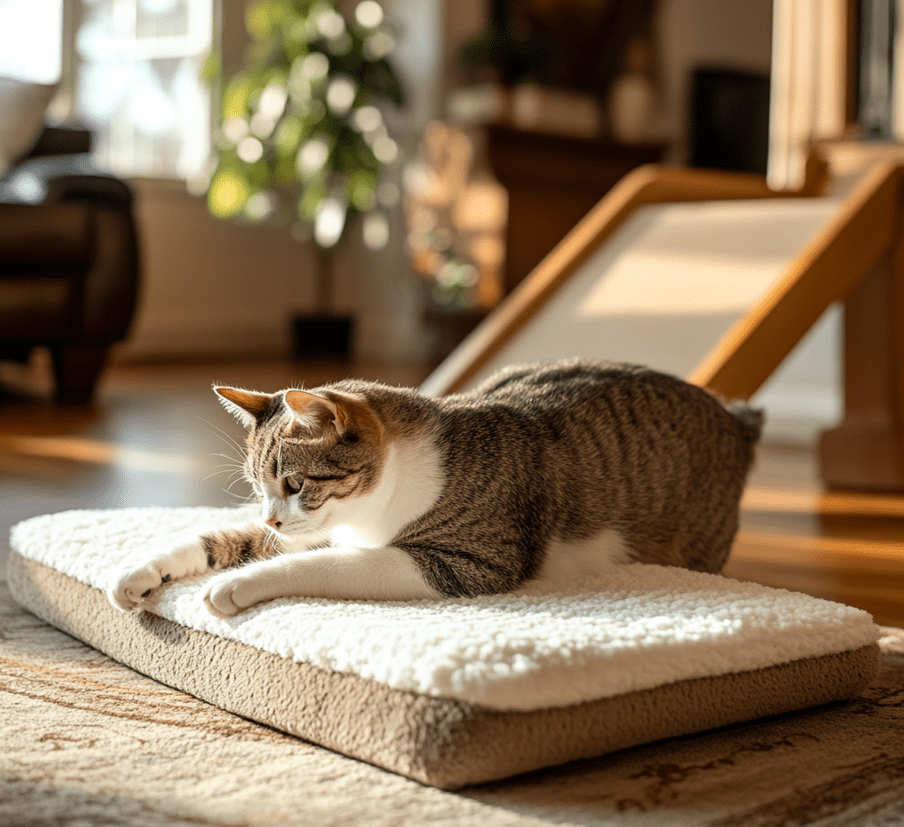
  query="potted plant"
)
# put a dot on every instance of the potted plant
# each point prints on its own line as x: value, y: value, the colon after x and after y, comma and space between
x: 302, y: 140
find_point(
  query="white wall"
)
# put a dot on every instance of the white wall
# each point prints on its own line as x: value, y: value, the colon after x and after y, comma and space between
x: 213, y: 287
x: 804, y: 397
x: 209, y: 286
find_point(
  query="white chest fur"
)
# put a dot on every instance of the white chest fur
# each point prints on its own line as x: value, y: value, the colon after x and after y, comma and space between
x: 409, y: 484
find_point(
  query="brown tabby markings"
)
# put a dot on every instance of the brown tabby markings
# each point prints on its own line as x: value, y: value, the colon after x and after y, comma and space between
x: 536, y: 455
x: 229, y: 548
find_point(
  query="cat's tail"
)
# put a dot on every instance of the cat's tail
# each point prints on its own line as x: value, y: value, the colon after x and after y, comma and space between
x: 750, y: 419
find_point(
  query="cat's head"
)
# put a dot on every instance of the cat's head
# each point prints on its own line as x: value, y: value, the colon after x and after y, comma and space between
x: 310, y: 455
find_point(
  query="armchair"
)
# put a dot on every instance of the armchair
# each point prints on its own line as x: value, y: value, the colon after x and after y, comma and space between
x: 68, y: 261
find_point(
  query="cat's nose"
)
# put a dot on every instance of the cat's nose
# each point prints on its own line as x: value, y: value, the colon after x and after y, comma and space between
x: 273, y: 522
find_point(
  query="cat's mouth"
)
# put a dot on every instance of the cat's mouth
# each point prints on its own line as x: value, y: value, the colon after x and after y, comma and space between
x: 299, y: 528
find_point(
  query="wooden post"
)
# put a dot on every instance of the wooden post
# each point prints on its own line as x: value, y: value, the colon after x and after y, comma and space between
x: 867, y: 450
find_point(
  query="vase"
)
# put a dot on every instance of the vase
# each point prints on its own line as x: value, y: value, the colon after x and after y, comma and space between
x: 322, y: 337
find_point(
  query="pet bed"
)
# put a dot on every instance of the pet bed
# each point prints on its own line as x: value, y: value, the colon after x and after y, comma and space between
x: 454, y: 692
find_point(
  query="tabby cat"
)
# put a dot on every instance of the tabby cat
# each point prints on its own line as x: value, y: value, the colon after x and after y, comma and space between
x: 540, y: 476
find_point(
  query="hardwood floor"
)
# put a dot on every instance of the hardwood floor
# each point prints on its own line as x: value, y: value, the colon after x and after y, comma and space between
x: 841, y: 546
x: 158, y: 437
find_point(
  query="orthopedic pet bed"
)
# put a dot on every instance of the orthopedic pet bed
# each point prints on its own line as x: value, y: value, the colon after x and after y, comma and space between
x: 461, y: 691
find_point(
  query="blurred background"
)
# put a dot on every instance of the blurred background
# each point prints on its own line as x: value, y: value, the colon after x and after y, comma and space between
x: 538, y: 98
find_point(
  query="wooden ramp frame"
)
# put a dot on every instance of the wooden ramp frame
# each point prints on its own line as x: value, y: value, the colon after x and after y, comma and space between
x: 857, y: 258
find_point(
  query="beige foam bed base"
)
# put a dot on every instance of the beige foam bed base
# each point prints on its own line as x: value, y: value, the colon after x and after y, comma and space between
x: 443, y: 743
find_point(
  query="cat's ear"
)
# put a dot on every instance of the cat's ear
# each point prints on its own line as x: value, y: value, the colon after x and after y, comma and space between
x: 246, y: 406
x: 317, y: 412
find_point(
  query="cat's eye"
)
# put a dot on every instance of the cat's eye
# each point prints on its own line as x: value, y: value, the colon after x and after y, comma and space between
x: 292, y: 485
x: 326, y: 477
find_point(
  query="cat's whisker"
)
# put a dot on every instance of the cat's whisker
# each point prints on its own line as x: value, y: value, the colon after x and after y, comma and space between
x: 238, y: 470
x: 233, y: 470
x: 232, y: 467
x: 216, y: 431
x: 235, y: 482
x: 217, y: 474
x: 273, y: 542
x: 216, y: 428
x: 226, y: 468
x: 245, y: 499
x: 239, y: 458
x: 232, y: 462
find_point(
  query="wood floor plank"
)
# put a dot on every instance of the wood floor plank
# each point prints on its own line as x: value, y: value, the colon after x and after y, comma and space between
x: 820, y: 502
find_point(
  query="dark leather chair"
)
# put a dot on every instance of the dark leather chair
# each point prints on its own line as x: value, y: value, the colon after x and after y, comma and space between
x: 69, y: 263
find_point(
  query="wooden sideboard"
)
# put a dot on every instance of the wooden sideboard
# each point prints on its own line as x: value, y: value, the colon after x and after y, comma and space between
x: 553, y: 181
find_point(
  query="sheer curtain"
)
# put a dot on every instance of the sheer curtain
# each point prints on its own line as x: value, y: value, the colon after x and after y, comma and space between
x: 808, y: 83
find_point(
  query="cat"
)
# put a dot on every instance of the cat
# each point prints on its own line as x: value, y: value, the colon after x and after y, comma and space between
x: 543, y: 474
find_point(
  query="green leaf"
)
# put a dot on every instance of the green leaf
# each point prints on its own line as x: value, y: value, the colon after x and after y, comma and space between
x: 236, y: 97
x: 362, y: 191
x: 258, y: 21
x: 288, y: 136
x: 212, y: 68
x: 284, y: 34
x: 283, y: 169
x: 311, y: 199
x: 228, y: 193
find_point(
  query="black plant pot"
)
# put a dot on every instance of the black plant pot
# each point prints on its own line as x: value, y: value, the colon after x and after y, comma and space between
x: 322, y: 337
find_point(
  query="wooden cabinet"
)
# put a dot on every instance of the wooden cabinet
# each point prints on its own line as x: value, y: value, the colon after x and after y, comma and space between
x: 553, y: 181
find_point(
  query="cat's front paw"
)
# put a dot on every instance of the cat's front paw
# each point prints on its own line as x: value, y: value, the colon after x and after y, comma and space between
x: 130, y: 587
x: 227, y: 594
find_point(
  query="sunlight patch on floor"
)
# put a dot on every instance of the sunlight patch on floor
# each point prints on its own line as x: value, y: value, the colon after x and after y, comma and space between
x: 784, y: 501
x: 77, y: 449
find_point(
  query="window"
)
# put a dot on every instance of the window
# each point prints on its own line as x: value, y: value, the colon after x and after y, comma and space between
x: 128, y: 69
x: 31, y: 44
x: 138, y: 83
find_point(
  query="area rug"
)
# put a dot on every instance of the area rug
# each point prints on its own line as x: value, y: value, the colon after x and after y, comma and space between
x: 86, y: 741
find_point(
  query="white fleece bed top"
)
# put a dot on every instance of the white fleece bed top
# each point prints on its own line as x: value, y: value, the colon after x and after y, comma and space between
x: 641, y: 627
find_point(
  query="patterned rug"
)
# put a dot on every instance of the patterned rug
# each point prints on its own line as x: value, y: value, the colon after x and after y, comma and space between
x: 85, y: 741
